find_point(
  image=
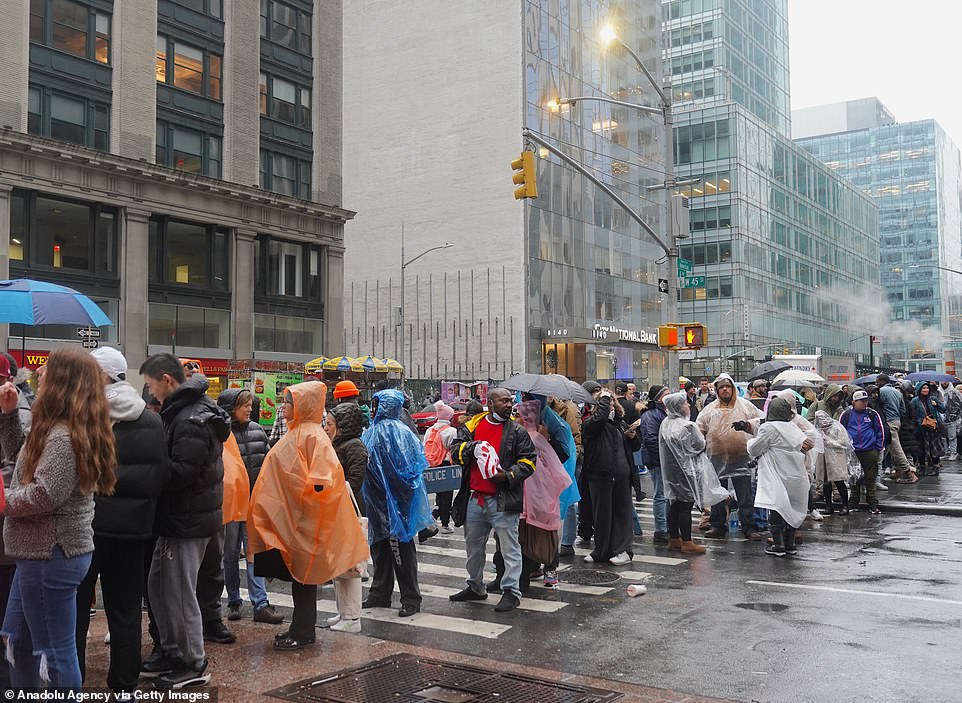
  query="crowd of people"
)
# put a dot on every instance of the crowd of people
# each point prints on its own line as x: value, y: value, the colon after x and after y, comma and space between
x: 159, y: 494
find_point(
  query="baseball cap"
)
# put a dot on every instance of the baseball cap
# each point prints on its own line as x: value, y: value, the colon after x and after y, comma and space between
x: 112, y: 362
x: 860, y: 395
x: 5, y: 368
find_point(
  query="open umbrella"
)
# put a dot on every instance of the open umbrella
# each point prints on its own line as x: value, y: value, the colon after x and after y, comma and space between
x: 342, y: 363
x: 371, y: 363
x: 767, y: 370
x: 28, y: 302
x: 865, y: 380
x: 792, y: 383
x: 548, y: 384
x: 314, y: 365
x: 797, y: 375
x: 932, y: 377
x: 393, y: 365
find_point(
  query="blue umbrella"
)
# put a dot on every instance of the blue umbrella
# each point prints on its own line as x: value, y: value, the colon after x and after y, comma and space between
x: 28, y: 302
x: 865, y: 380
x: 932, y: 377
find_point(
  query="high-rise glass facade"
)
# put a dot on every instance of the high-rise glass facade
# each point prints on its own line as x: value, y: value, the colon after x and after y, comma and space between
x: 912, y: 172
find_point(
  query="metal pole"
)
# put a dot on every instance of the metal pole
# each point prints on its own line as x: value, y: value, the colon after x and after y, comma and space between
x: 401, y: 346
x: 673, y: 363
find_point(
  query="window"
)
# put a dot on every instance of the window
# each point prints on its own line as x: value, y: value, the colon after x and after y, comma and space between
x: 286, y: 26
x: 191, y: 255
x: 71, y: 27
x: 285, y: 268
x: 285, y: 101
x: 213, y: 8
x: 52, y: 233
x: 188, y: 150
x: 285, y: 175
x: 184, y: 326
x: 68, y: 118
x: 295, y: 335
x: 188, y: 68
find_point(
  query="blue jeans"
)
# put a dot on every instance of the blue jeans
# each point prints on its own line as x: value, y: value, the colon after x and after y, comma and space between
x: 659, y: 504
x: 477, y: 528
x: 569, y: 525
x: 235, y: 537
x: 40, y: 623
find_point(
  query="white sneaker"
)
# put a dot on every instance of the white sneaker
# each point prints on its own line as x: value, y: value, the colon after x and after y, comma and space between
x: 107, y: 637
x: 881, y: 486
x: 589, y: 559
x: 347, y: 626
x: 331, y: 622
x: 446, y: 529
x: 620, y: 559
x: 581, y: 542
x: 816, y: 516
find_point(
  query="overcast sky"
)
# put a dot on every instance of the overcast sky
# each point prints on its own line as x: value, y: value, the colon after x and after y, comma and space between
x: 904, y: 52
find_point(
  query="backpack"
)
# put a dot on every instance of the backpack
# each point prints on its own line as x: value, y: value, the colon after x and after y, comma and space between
x: 434, y: 449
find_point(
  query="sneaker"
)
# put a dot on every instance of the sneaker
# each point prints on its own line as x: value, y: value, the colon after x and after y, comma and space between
x: 157, y: 664
x: 269, y: 615
x: 643, y: 471
x: 427, y: 533
x: 660, y: 538
x: 582, y: 542
x: 589, y: 559
x: 347, y: 626
x: 775, y: 551
x: 816, y: 515
x: 184, y: 676
x: 620, y: 559
x: 566, y: 550
x: 466, y: 594
x: 217, y: 632
x: 493, y: 586
x: 551, y: 579
x: 107, y: 637
x: 234, y: 612
x: 508, y: 601
x: 330, y: 622
x: 446, y: 529
x: 879, y: 486
x: 875, y: 511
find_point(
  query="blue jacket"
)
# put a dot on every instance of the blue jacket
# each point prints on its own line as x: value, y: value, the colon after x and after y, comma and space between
x: 893, y: 404
x: 865, y: 429
x: 650, y: 426
x: 917, y: 410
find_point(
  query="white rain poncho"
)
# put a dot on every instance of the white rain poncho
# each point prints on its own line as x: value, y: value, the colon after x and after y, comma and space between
x: 727, y: 448
x: 783, y: 482
x: 807, y: 428
x: 687, y: 472
x: 832, y: 464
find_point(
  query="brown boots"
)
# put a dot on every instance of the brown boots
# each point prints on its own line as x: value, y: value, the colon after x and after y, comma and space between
x: 692, y: 548
x: 674, y: 544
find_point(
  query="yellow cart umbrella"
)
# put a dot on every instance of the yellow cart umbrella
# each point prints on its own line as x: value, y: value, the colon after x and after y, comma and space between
x: 394, y: 365
x: 372, y: 363
x: 342, y: 363
x: 314, y: 365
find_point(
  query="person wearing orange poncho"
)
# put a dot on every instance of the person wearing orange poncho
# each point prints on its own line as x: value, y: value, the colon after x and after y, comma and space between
x: 302, y: 526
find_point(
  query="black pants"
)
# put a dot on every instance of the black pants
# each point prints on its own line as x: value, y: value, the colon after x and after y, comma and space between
x: 395, y: 559
x: 586, y: 523
x: 118, y: 564
x: 613, y: 512
x: 304, y: 618
x: 679, y: 520
x: 746, y: 504
x: 782, y: 532
x: 842, y: 494
x: 6, y: 580
x: 444, y: 499
x: 210, y: 579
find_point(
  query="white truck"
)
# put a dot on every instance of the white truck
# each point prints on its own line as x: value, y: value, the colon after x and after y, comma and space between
x: 834, y: 369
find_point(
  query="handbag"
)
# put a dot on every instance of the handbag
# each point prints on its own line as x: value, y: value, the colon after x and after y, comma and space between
x: 929, y: 423
x: 361, y: 568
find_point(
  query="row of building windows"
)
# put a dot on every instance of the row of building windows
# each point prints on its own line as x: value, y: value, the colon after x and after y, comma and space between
x: 189, y: 67
x: 188, y: 150
x: 693, y: 90
x: 692, y: 34
x: 71, y: 27
x: 285, y: 174
x: 58, y: 115
x: 286, y: 25
x: 695, y: 61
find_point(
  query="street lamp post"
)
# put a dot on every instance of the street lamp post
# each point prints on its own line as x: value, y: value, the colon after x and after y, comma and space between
x: 404, y: 265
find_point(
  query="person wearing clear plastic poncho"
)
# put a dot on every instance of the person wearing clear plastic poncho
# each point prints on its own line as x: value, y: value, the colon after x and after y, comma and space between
x: 831, y: 465
x: 783, y: 483
x: 395, y: 503
x: 728, y: 451
x: 689, y: 478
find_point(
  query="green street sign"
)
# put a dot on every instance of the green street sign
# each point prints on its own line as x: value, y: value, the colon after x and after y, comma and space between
x: 693, y: 282
x: 952, y: 345
x: 685, y: 267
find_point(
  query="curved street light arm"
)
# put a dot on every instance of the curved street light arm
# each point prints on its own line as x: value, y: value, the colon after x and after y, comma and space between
x: 446, y: 245
x: 612, y: 101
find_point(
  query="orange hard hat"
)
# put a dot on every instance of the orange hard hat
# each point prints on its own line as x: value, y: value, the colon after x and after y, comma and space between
x: 345, y: 389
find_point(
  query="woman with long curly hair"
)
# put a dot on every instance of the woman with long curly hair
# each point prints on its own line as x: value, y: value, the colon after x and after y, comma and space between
x: 67, y: 457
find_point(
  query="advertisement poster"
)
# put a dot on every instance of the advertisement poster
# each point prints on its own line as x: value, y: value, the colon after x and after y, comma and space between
x: 461, y: 393
x: 269, y: 387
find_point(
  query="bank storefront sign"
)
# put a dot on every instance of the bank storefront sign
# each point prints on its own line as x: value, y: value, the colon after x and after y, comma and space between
x: 608, y: 333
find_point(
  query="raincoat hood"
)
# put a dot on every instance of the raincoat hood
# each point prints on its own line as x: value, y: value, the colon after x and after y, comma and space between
x: 125, y: 402
x: 823, y: 420
x: 300, y: 505
x: 228, y: 399
x: 780, y: 410
x: 724, y: 378
x: 687, y: 473
x: 675, y: 405
x: 389, y: 404
x: 831, y: 390
x: 350, y: 422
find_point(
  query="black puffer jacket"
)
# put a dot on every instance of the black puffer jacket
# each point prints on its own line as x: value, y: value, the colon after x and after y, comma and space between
x: 142, y: 468
x: 251, y: 437
x: 196, y: 428
x: 516, y: 454
x: 604, y: 439
x: 351, y: 451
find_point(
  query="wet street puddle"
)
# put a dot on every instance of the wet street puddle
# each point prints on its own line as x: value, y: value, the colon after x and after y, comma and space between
x: 763, y: 607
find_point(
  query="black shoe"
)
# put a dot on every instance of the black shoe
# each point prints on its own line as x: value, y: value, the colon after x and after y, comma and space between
x: 216, y: 631
x: 157, y: 664
x: 407, y: 611
x: 234, y: 611
x: 184, y: 676
x: 875, y: 510
x: 375, y: 603
x: 566, y: 550
x: 508, y: 601
x: 436, y: 512
x: 493, y: 586
x: 776, y: 550
x: 467, y: 593
x: 289, y: 643
x: 282, y: 635
x: 660, y: 538
x: 427, y: 533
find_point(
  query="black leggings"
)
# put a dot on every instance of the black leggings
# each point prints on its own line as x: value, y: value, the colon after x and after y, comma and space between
x: 444, y: 499
x: 842, y: 493
x: 679, y: 520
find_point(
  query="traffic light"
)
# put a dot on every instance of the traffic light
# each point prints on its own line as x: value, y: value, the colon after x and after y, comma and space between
x: 525, y: 176
x: 694, y: 336
x: 668, y: 336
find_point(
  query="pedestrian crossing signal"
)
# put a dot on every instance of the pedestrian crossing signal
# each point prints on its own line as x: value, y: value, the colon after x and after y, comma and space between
x: 525, y: 176
x: 694, y: 336
x: 668, y: 336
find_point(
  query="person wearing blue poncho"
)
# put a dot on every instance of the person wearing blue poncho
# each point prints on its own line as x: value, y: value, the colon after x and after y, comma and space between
x: 395, y: 502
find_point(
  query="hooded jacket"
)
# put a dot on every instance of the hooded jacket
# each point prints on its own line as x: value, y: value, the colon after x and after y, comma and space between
x: 922, y: 406
x: 351, y: 451
x: 727, y: 447
x: 142, y: 468
x: 835, y: 411
x: 649, y: 428
x: 191, y: 504
x: 302, y: 524
x: 251, y: 437
x: 608, y: 452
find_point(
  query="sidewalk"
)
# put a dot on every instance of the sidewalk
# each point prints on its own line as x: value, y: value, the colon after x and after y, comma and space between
x: 932, y: 495
x: 249, y: 668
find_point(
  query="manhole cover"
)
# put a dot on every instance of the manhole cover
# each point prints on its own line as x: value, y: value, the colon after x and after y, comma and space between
x: 763, y: 607
x: 405, y: 678
x: 589, y: 577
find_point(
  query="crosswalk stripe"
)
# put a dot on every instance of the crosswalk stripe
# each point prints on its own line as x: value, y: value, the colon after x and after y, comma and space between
x: 463, y: 626
x: 644, y: 558
x: 540, y: 606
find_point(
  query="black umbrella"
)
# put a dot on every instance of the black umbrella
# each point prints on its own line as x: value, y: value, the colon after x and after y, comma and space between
x: 865, y: 380
x: 768, y: 370
x: 548, y: 384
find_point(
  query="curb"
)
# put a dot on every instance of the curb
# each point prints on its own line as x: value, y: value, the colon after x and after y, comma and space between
x: 898, y: 506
